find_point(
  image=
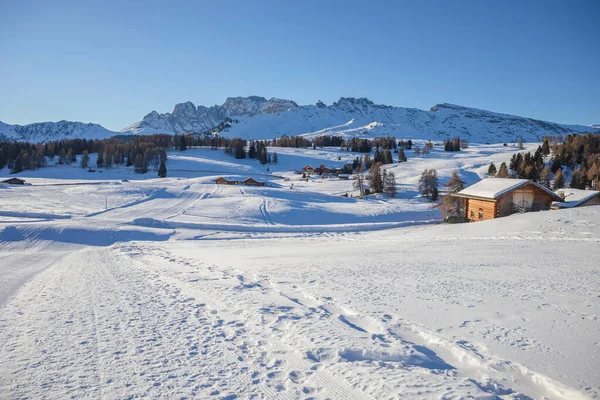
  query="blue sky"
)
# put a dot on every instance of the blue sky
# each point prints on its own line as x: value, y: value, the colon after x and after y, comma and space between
x: 112, y: 62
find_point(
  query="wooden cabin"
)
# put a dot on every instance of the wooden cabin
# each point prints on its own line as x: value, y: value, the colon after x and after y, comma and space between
x: 571, y: 198
x: 14, y: 181
x: 500, y: 197
x: 253, y: 182
x: 223, y: 181
x: 308, y: 170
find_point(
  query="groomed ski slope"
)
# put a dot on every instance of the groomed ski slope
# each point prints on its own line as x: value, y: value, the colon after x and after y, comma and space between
x: 181, y: 288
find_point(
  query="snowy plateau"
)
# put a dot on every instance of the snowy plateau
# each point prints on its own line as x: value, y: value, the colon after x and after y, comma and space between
x: 256, y: 117
x: 117, y: 285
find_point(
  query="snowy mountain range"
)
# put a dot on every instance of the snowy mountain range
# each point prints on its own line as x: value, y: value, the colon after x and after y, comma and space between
x: 46, y: 131
x: 259, y: 118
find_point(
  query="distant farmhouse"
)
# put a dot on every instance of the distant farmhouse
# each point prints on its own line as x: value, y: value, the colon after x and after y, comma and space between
x: 499, y: 197
x: 247, y: 182
x: 322, y: 170
x: 571, y: 198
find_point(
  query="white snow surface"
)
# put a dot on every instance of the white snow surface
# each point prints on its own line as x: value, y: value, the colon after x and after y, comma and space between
x: 181, y: 288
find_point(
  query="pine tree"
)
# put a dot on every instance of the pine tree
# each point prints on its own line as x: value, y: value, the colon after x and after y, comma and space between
x: 503, y: 171
x: 492, y: 170
x: 401, y: 155
x: 559, y: 180
x: 545, y: 177
x: 375, y: 178
x: 359, y: 183
x: 138, y: 164
x: 275, y: 158
x: 546, y: 148
x: 389, y: 183
x: 377, y: 158
x: 85, y: 159
x: 521, y: 146
x: 252, y: 150
x: 100, y: 159
x: 387, y: 157
x: 449, y: 203
x: 162, y: 170
x: 428, y: 184
x: 576, y: 179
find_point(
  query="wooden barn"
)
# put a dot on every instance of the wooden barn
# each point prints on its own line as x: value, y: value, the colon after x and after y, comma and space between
x: 571, y: 198
x: 253, y: 182
x: 499, y: 197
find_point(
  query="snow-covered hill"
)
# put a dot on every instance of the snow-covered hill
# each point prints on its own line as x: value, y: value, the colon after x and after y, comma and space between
x: 45, y: 131
x: 256, y: 117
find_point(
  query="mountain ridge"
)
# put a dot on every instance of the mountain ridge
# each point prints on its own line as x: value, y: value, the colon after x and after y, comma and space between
x: 256, y: 117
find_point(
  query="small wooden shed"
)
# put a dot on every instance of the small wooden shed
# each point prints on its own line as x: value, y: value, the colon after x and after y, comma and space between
x: 571, y: 198
x: 499, y: 197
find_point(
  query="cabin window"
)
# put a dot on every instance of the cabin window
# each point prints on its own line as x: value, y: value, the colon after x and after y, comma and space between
x: 481, y: 213
x: 472, y: 214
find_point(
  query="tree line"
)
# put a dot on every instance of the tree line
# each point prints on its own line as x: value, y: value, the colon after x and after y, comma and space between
x: 141, y: 151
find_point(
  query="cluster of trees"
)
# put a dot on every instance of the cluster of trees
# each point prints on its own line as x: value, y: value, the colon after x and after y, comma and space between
x: 236, y: 148
x: 359, y: 145
x: 581, y: 155
x: 291, y: 141
x: 257, y: 149
x: 328, y: 141
x: 577, y: 153
x: 386, y: 143
x: 423, y: 151
x: 452, y: 145
x: 499, y: 173
x: 380, y: 181
x: 148, y: 150
x: 405, y: 145
x: 182, y: 142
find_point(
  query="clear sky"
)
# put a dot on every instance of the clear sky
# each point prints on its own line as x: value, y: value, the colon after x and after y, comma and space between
x: 112, y: 62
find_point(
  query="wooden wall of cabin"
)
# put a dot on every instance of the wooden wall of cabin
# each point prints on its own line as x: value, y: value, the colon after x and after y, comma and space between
x: 541, y: 199
x: 487, y: 209
x: 505, y: 205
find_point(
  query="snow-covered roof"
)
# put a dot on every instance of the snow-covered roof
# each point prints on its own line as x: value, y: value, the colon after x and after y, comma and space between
x: 492, y: 188
x: 574, y: 197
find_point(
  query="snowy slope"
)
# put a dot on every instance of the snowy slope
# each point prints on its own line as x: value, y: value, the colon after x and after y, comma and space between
x: 255, y: 117
x: 118, y: 285
x: 96, y: 306
x: 46, y: 131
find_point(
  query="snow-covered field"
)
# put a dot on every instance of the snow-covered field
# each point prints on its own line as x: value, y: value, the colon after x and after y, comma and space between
x: 180, y: 288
